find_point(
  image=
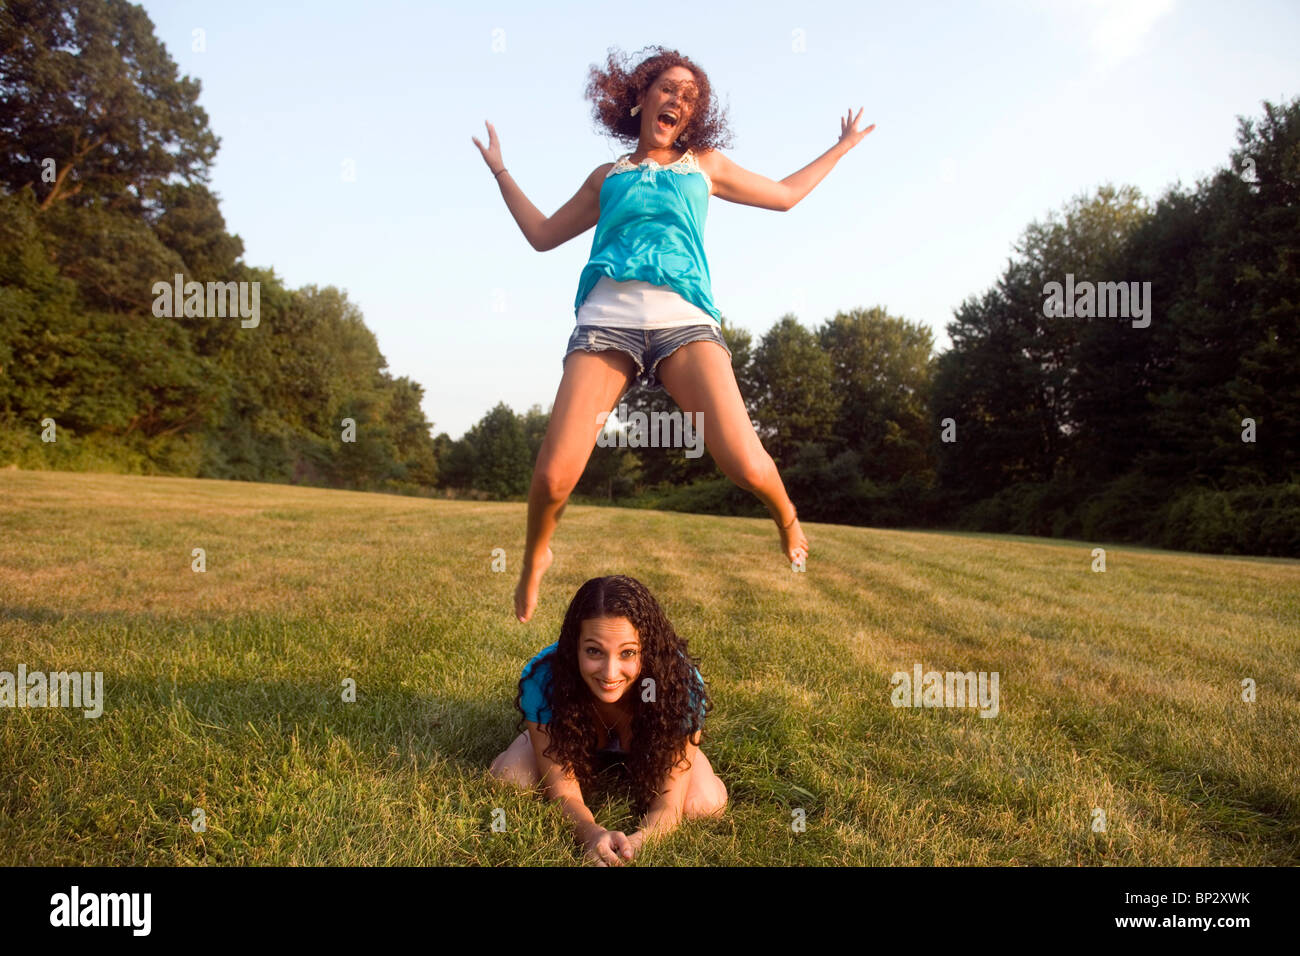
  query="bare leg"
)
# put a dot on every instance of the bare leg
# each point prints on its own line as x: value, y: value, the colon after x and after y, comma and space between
x: 706, y: 794
x: 699, y: 378
x: 592, y: 383
x: 517, y: 763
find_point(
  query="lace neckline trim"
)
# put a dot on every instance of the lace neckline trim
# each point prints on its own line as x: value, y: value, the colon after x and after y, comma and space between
x: 686, y: 163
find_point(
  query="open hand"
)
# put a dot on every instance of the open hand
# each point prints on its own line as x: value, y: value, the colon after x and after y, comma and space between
x: 492, y: 154
x: 850, y: 135
x: 609, y: 848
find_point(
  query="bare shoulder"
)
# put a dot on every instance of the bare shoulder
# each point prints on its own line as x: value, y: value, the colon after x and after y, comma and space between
x: 595, y: 181
x: 708, y: 157
x: 713, y: 162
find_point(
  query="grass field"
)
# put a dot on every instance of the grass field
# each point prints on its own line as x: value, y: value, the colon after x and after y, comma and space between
x: 1119, y: 691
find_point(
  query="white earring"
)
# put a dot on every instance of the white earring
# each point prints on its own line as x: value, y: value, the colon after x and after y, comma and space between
x: 635, y: 110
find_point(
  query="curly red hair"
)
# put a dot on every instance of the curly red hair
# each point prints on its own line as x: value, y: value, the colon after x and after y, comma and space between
x: 616, y: 89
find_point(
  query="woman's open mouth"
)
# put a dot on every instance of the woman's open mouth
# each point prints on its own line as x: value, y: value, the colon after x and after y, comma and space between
x: 604, y: 686
x: 667, y: 121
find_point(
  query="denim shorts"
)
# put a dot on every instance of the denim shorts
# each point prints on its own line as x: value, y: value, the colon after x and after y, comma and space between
x: 648, y: 347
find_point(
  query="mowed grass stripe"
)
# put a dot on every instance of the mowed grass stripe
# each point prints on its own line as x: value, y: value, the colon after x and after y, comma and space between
x: 1118, y: 691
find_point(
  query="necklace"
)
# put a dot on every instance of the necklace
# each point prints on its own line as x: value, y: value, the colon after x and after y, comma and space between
x: 611, y: 733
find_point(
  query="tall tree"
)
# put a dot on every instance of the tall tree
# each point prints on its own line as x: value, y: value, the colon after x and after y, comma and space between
x: 91, y: 107
x: 983, y: 403
x: 881, y: 368
x: 492, y: 456
x: 1120, y: 368
x: 1009, y: 381
x: 1238, y: 321
x: 795, y: 397
x: 1084, y: 242
x: 192, y: 226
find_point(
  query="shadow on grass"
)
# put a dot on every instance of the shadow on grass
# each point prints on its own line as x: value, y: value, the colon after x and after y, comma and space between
x: 385, y: 725
x: 387, y: 729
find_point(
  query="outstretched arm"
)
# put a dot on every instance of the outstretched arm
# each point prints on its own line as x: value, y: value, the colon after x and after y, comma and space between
x: 542, y: 232
x: 739, y: 185
x: 666, y: 811
x: 602, y: 847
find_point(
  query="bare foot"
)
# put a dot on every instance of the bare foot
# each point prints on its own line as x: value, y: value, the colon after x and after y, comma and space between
x: 793, y: 541
x: 530, y: 579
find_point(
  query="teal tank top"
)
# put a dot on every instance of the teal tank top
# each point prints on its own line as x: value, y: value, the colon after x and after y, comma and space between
x: 651, y: 228
x: 535, y: 699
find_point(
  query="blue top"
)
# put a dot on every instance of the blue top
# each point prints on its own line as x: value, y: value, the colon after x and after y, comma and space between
x: 651, y: 228
x: 536, y: 698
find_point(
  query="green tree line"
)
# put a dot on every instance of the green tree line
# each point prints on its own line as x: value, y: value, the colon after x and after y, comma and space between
x: 103, y: 193
x: 1184, y: 433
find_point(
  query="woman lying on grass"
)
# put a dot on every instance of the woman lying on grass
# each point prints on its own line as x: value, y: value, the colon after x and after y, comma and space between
x: 616, y: 690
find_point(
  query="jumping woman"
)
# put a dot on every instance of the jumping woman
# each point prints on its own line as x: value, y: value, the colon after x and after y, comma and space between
x: 618, y: 689
x: 644, y: 306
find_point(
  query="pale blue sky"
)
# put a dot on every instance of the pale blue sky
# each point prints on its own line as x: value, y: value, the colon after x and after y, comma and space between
x: 988, y: 115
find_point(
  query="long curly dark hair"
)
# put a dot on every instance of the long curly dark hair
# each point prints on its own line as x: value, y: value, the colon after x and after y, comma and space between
x: 616, y: 89
x: 659, y: 727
